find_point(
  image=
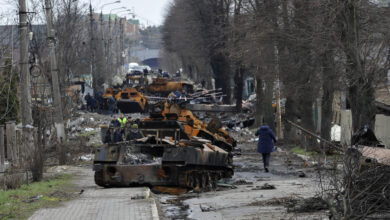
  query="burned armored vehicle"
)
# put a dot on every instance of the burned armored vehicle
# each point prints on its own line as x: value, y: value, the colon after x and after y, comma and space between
x: 130, y: 100
x: 165, y: 156
x: 165, y: 86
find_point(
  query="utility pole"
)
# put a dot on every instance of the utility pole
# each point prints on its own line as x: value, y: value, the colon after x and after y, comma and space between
x: 58, y: 117
x: 122, y: 23
x: 25, y: 87
x: 109, y: 58
x: 93, y: 49
x: 25, y: 82
x: 102, y: 49
x: 117, y: 55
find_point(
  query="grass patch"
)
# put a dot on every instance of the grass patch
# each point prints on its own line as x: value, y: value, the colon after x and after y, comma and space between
x: 87, y: 134
x: 299, y: 150
x: 314, y: 155
x: 96, y: 145
x: 20, y: 203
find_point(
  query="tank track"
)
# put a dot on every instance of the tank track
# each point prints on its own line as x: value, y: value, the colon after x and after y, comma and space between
x: 195, y: 179
x: 99, y: 179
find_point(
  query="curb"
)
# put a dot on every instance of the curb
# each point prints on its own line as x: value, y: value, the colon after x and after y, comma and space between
x: 153, y: 205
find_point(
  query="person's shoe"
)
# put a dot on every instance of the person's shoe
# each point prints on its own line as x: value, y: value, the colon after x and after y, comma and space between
x: 266, y: 169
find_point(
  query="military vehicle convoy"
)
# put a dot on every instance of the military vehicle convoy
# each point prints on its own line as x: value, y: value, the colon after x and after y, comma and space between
x: 166, y: 156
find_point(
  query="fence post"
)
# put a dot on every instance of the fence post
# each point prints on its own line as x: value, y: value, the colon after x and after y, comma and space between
x: 11, y: 142
x: 19, y: 147
x: 2, y: 148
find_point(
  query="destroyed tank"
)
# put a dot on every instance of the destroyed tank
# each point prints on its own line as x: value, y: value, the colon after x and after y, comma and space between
x: 129, y: 100
x: 194, y: 127
x: 165, y: 86
x: 110, y: 92
x: 165, y: 156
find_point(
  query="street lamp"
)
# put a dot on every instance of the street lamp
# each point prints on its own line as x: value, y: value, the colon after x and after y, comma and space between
x: 116, y: 9
x: 132, y: 14
x: 101, y: 8
x: 128, y: 10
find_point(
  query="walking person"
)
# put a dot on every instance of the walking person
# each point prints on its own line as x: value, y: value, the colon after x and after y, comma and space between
x: 265, y: 145
x: 111, y: 105
x: 87, y: 99
x: 93, y: 104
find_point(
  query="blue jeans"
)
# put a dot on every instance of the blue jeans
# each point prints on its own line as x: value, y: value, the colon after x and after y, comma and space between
x: 266, y: 159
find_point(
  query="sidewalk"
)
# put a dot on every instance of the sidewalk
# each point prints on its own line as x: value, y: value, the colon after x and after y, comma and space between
x: 101, y: 203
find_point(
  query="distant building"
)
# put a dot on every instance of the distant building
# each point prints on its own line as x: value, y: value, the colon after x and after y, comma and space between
x: 131, y: 26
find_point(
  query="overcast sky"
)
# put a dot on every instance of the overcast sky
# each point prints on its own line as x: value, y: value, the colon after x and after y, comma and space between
x: 151, y: 12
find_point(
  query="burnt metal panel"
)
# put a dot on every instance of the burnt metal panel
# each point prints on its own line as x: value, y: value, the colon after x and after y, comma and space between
x: 151, y: 174
x: 195, y: 156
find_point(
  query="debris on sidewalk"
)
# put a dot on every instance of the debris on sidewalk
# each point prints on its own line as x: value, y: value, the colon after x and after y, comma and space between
x: 242, y: 182
x: 265, y: 186
x: 308, y: 205
x: 206, y: 208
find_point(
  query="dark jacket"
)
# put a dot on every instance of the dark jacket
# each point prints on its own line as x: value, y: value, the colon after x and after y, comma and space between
x: 115, y: 123
x: 134, y: 134
x: 111, y: 101
x: 109, y: 138
x: 265, y: 144
x: 117, y: 137
x: 87, y: 98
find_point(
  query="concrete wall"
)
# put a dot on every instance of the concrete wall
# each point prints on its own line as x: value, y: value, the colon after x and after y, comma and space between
x: 382, y: 129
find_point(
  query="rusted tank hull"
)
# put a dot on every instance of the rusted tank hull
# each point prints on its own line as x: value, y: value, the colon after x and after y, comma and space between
x: 188, y: 167
x: 195, y: 157
x: 130, y: 175
x: 165, y: 156
x: 167, y: 87
x: 129, y: 106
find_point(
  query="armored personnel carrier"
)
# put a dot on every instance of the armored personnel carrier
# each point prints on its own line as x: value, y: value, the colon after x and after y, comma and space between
x: 165, y: 156
x: 165, y: 86
x: 129, y: 100
x: 110, y: 92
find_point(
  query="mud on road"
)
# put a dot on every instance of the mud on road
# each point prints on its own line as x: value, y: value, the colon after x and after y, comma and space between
x: 251, y: 193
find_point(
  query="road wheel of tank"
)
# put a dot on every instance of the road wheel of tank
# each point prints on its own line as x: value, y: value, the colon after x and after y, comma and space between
x: 190, y: 181
x: 209, y: 181
x: 203, y: 179
x: 214, y: 180
x: 183, y: 180
x: 99, y: 178
x: 146, y: 107
x: 197, y: 181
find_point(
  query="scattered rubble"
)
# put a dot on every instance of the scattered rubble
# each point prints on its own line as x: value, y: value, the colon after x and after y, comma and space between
x: 242, y: 182
x: 58, y: 169
x: 307, y: 205
x: 301, y: 174
x: 282, y: 201
x: 33, y: 199
x: 87, y: 157
x: 265, y: 186
x: 206, y: 208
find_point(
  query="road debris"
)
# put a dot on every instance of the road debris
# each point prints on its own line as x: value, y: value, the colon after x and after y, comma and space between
x: 206, y: 208
x: 307, y: 205
x: 265, y: 186
x: 33, y: 199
